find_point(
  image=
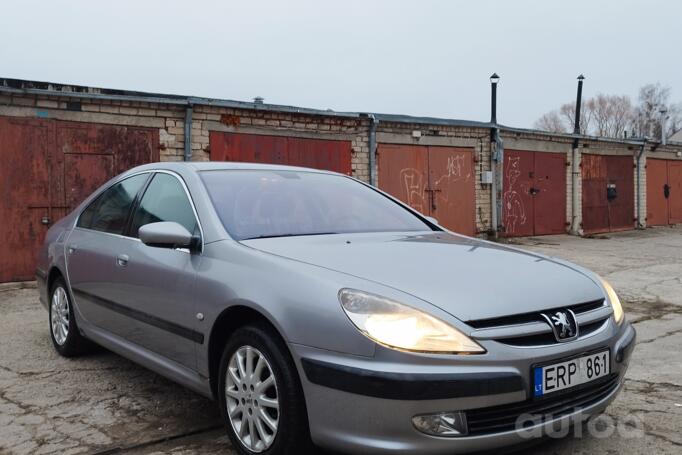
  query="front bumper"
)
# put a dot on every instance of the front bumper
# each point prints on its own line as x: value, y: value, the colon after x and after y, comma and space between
x: 367, y: 404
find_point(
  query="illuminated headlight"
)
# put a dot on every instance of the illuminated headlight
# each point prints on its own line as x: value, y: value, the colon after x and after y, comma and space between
x: 399, y: 326
x: 615, y: 301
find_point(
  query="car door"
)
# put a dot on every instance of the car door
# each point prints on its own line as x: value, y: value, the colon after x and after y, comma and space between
x: 93, y: 255
x: 159, y: 284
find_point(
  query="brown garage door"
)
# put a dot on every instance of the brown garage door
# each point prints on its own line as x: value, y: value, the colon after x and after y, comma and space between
x: 331, y: 155
x: 675, y: 199
x: 663, y: 192
x: 436, y: 181
x: 52, y: 167
x: 608, y: 193
x: 534, y: 193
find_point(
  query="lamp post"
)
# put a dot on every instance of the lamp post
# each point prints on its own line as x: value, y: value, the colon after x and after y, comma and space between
x: 578, y: 102
x: 494, y: 79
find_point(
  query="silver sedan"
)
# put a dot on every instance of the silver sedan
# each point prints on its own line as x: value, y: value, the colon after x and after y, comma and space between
x: 317, y: 310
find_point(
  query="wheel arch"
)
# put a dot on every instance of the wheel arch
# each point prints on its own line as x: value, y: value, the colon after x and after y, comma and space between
x: 54, y: 273
x: 229, y: 320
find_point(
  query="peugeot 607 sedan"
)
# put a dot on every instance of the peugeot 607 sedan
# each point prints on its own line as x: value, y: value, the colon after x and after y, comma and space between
x: 318, y: 310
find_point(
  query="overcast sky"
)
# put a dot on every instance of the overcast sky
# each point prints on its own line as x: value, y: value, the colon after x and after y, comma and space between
x: 408, y: 57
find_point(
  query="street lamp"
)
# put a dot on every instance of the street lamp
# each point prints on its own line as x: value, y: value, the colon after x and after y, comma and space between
x: 578, y: 102
x: 494, y: 79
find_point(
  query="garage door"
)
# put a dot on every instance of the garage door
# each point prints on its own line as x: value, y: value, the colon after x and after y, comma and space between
x: 436, y: 181
x: 534, y: 193
x: 331, y: 155
x: 663, y: 192
x: 608, y: 193
x: 52, y: 167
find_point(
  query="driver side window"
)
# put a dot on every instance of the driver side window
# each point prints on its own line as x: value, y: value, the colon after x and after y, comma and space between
x: 164, y: 200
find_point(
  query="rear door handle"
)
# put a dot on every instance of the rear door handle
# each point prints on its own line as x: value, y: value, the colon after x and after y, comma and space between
x: 122, y: 260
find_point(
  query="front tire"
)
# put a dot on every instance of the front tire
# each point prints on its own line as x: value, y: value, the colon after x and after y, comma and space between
x: 260, y: 394
x: 66, y: 337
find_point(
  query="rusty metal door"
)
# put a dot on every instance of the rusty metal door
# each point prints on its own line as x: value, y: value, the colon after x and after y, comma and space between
x: 91, y: 154
x: 48, y: 168
x: 675, y: 199
x: 608, y: 193
x: 534, y: 193
x: 452, y: 188
x: 657, y: 193
x: 549, y: 194
x: 24, y: 195
x: 332, y: 155
x: 595, y: 203
x: 518, y: 209
x: 622, y: 206
x: 403, y: 173
x: 436, y: 181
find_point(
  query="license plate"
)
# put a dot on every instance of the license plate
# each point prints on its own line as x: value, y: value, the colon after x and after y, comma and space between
x: 570, y: 373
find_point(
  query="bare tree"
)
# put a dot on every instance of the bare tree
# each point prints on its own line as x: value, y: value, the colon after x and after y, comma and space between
x: 612, y: 114
x: 552, y: 122
x: 653, y: 102
x: 586, y: 113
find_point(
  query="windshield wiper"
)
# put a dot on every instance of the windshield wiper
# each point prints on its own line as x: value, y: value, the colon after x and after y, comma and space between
x: 272, y: 236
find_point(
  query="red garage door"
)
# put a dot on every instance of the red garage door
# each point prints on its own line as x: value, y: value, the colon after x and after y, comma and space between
x: 52, y: 167
x: 436, y: 181
x: 534, y: 193
x: 608, y: 193
x: 663, y: 192
x: 331, y: 155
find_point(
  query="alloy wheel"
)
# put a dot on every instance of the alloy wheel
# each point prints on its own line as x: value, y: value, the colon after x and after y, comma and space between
x: 59, y: 315
x: 251, y: 399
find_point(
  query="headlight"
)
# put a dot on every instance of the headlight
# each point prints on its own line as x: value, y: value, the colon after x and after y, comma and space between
x: 615, y: 301
x: 401, y: 327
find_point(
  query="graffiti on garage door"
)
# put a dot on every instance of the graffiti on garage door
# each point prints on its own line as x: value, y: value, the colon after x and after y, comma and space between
x: 52, y: 166
x: 436, y: 181
x: 534, y: 199
x: 331, y: 155
x: 663, y: 191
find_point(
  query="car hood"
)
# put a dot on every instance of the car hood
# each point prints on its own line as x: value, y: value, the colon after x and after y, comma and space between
x: 469, y: 278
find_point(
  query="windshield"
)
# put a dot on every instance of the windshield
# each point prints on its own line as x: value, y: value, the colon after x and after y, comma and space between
x: 258, y: 204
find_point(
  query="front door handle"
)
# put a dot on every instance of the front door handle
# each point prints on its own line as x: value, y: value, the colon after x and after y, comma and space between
x: 122, y: 260
x: 71, y: 249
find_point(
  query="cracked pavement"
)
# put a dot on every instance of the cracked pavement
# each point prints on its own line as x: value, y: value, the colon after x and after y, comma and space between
x: 104, y: 404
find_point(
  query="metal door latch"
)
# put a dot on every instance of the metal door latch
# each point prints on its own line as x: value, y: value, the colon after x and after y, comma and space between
x: 45, y: 220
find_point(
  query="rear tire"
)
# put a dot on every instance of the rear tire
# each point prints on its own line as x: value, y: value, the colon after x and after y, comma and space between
x: 66, y: 337
x: 260, y: 395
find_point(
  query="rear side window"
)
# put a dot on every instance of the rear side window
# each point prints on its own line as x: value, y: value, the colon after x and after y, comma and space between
x: 109, y: 212
x: 164, y: 200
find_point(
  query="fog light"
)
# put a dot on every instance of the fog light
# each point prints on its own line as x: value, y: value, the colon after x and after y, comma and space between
x: 442, y: 424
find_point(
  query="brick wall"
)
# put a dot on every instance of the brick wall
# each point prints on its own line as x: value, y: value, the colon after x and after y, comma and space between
x: 169, y: 119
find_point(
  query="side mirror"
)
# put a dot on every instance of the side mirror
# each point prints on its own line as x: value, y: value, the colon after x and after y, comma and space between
x: 165, y: 234
x: 432, y: 220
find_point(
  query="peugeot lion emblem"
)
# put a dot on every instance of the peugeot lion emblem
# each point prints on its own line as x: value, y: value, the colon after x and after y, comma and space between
x: 563, y: 323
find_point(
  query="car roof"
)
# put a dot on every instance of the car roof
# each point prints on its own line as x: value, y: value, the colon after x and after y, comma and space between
x: 199, y: 166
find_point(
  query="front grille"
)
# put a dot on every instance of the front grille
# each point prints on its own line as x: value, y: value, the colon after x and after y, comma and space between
x: 540, y: 339
x: 548, y: 338
x: 525, y: 318
x: 498, y: 419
